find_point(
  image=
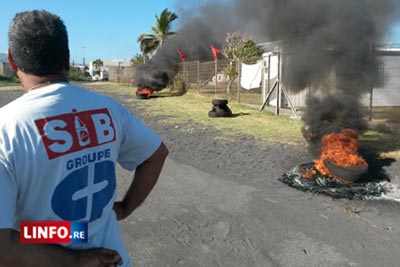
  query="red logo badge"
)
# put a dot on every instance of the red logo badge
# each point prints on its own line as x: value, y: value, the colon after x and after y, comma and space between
x: 67, y: 133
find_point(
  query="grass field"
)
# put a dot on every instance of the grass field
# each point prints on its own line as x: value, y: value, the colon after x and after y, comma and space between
x: 10, y: 86
x: 193, y: 107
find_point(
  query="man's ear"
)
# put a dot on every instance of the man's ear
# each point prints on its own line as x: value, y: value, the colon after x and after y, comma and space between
x: 13, y: 67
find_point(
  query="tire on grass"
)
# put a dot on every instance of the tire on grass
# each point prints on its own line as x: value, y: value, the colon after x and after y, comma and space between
x: 224, y: 113
x: 212, y: 114
x: 217, y: 102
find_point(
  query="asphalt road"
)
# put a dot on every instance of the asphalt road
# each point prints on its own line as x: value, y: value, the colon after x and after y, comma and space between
x: 193, y: 218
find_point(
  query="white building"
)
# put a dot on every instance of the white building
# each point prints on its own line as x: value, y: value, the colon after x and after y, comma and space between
x: 102, y: 74
x: 4, y: 66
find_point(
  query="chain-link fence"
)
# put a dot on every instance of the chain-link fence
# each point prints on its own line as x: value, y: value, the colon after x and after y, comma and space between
x: 387, y: 91
x: 121, y: 74
x: 209, y: 78
x: 385, y: 97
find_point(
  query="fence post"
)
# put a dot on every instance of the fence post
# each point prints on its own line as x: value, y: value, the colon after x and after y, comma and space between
x: 216, y: 78
x: 269, y: 74
x: 119, y: 72
x: 279, y: 89
x: 372, y: 90
x: 238, y: 66
x: 198, y: 76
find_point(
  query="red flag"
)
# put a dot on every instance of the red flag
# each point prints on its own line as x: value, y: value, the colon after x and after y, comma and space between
x: 182, y: 55
x: 215, y: 52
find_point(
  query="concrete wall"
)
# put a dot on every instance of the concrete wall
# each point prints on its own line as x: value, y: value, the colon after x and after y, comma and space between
x: 5, y: 70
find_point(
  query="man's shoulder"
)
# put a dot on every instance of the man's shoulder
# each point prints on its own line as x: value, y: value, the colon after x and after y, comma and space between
x: 9, y: 111
x: 93, y: 94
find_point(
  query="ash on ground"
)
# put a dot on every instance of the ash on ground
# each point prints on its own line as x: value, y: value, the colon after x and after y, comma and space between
x: 363, y: 190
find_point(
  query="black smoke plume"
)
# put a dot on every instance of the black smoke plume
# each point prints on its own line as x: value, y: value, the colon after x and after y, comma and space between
x: 194, y: 38
x: 322, y: 38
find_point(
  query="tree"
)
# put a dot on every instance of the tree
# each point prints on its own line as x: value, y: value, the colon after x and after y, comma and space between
x: 137, y: 59
x: 78, y: 74
x: 150, y: 42
x: 97, y: 64
x: 239, y: 48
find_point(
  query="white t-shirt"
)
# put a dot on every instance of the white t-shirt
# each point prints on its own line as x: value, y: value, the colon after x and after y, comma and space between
x: 58, y: 149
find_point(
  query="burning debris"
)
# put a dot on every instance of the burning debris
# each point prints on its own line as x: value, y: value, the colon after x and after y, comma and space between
x: 341, y: 171
x: 149, y: 76
x: 339, y: 158
x: 318, y: 183
x: 143, y: 93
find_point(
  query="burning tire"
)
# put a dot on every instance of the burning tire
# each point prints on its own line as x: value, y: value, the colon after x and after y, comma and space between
x: 143, y: 93
x: 350, y: 174
x: 142, y: 96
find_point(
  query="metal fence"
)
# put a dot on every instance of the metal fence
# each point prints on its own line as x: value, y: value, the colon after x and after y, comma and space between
x: 386, y: 92
x: 209, y: 78
x: 121, y: 74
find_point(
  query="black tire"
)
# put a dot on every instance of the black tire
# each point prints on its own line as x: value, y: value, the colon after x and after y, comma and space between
x: 219, y: 113
x: 142, y: 96
x: 212, y: 114
x: 217, y: 102
x: 223, y: 113
x: 222, y: 108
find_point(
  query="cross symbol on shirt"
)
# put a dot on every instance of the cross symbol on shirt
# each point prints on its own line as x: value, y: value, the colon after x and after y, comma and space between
x: 89, y: 191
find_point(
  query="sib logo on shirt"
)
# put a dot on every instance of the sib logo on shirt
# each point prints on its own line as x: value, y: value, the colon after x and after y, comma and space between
x: 67, y: 133
x: 90, y: 185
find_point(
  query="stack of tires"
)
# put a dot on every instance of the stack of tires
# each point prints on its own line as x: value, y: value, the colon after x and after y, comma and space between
x: 219, y: 109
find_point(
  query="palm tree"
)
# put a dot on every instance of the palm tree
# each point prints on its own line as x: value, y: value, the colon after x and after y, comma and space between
x: 150, y: 42
x: 97, y: 64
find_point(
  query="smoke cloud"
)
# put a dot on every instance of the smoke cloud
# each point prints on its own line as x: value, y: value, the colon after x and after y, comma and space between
x: 321, y: 37
x: 197, y: 31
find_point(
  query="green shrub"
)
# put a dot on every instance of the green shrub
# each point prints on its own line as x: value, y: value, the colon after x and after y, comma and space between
x: 9, y: 79
x: 77, y: 74
x: 178, y: 85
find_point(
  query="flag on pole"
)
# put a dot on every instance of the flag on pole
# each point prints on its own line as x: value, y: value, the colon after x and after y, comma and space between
x: 215, y: 52
x: 182, y: 55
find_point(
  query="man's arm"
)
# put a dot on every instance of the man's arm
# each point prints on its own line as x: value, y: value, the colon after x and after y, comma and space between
x: 15, y: 254
x: 146, y: 176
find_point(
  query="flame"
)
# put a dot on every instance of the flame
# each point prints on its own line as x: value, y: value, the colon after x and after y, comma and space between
x: 144, y: 91
x: 339, y: 149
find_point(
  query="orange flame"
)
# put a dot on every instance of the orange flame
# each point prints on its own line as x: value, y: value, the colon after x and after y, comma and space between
x: 339, y: 149
x: 144, y: 91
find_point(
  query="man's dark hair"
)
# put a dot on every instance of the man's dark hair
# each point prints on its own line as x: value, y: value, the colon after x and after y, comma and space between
x: 38, y: 41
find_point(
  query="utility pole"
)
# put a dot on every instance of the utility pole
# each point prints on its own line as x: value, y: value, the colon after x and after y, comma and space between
x: 83, y: 59
x: 118, y: 71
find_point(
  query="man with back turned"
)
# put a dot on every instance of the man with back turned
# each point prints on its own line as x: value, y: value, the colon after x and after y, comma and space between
x: 59, y: 144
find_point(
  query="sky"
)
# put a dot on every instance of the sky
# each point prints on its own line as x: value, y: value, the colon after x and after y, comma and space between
x: 105, y: 30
